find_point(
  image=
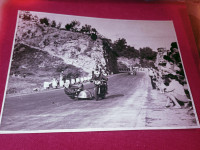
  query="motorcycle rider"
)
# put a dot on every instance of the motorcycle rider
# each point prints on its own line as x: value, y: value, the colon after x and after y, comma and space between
x: 98, y: 75
x: 104, y: 72
x: 104, y: 75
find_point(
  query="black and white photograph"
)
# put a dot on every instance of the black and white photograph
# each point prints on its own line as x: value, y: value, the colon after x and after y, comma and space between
x: 73, y: 73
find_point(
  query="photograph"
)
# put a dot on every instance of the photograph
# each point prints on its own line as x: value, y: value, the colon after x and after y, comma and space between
x: 75, y: 73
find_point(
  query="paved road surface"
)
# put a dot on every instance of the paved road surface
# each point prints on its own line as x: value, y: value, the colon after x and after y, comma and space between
x: 131, y: 103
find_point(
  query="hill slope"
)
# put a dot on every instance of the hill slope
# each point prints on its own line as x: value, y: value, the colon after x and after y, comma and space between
x: 73, y: 48
x: 42, y: 53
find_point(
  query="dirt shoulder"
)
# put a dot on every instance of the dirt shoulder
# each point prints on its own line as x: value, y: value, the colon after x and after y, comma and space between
x: 158, y: 115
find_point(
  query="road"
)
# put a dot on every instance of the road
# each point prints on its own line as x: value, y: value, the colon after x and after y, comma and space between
x: 131, y: 103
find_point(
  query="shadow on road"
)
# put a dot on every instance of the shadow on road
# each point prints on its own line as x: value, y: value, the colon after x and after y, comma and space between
x: 114, y: 96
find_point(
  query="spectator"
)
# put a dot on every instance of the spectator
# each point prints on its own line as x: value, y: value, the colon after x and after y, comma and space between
x: 153, y: 78
x: 160, y: 82
x: 175, y: 92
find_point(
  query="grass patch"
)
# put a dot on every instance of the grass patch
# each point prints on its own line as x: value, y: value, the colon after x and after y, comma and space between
x: 20, y: 85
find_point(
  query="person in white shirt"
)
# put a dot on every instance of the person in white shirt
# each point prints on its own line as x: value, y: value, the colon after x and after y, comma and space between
x: 175, y: 91
x: 152, y: 77
x: 160, y: 83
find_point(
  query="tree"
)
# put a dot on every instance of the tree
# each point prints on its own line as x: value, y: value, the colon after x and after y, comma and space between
x: 147, y: 53
x: 174, y: 45
x: 110, y: 56
x: 94, y: 31
x: 120, y: 45
x: 86, y: 29
x: 73, y: 26
x: 25, y: 15
x: 44, y: 21
x: 93, y: 36
x: 68, y: 27
x: 130, y: 52
x: 174, y: 57
x: 53, y: 24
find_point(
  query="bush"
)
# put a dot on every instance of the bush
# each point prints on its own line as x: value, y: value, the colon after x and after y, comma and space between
x: 26, y: 15
x: 53, y: 24
x: 72, y: 26
x: 68, y: 27
x: 93, y: 36
x: 44, y: 21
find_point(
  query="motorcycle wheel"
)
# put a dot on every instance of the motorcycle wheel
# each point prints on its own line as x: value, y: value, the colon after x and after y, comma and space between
x: 103, y: 96
x: 103, y: 90
x: 96, y: 95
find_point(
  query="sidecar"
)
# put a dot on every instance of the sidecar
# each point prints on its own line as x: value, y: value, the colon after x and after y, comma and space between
x: 77, y: 91
x: 73, y: 90
x: 85, y: 95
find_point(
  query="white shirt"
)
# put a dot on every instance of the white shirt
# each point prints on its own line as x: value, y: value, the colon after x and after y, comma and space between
x: 176, y: 87
x: 151, y: 73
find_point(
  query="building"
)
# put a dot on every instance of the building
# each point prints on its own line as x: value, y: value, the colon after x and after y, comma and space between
x: 160, y: 61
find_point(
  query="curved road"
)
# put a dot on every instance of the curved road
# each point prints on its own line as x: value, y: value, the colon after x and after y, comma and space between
x: 126, y: 106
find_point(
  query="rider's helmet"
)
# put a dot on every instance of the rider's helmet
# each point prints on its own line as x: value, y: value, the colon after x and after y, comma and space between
x: 97, y: 73
x: 104, y: 72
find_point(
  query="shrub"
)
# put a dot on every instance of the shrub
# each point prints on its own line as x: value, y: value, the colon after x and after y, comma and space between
x: 93, y: 36
x: 44, y: 21
x: 53, y: 24
x: 68, y: 27
x: 26, y: 15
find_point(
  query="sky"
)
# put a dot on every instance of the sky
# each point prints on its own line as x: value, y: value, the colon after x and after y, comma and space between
x: 138, y: 33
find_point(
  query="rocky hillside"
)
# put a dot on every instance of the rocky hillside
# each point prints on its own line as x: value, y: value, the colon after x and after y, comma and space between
x: 33, y: 62
x: 52, y: 47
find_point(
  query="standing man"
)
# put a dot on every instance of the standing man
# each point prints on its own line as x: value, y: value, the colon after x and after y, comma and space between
x: 152, y: 76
